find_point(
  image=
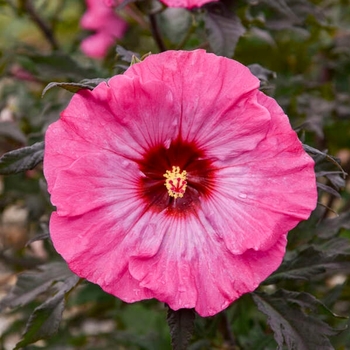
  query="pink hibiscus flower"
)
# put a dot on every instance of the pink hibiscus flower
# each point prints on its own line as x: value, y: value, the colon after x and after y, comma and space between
x: 186, y: 3
x: 101, y: 18
x: 178, y: 180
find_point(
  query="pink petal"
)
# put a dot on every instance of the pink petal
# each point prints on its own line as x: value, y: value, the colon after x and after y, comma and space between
x: 126, y: 131
x: 186, y: 3
x: 94, y: 181
x: 84, y: 248
x: 101, y: 17
x: 212, y: 102
x: 98, y: 245
x: 97, y: 45
x: 203, y: 275
x: 249, y: 182
x: 258, y: 214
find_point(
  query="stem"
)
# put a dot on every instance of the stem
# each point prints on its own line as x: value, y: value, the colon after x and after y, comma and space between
x: 55, y: 19
x: 132, y: 11
x: 227, y: 331
x: 156, y: 33
x: 48, y: 34
x: 185, y: 38
x: 188, y: 34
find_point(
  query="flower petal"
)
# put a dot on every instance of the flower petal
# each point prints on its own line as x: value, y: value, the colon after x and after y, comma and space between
x: 94, y: 181
x: 210, y: 114
x: 127, y: 131
x: 248, y: 182
x: 102, y: 18
x: 204, y: 275
x: 98, y: 246
x: 186, y: 3
x: 262, y: 193
x: 97, y: 45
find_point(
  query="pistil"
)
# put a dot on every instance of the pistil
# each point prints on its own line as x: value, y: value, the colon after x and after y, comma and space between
x: 176, y: 182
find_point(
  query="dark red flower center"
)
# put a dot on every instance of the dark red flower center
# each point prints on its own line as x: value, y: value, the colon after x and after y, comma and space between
x: 176, y: 177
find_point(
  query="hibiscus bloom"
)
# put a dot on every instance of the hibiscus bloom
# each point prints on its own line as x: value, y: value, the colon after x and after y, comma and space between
x: 186, y: 3
x: 108, y: 26
x: 177, y: 180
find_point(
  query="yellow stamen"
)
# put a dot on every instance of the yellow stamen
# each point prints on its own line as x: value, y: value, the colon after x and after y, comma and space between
x: 175, y: 182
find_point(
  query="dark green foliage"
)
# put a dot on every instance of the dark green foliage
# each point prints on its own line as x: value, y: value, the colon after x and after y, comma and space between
x: 331, y: 227
x: 55, y: 279
x: 32, y: 283
x: 291, y: 317
x: 262, y: 73
x: 10, y: 131
x: 56, y: 66
x: 22, y: 159
x: 181, y: 324
x: 46, y: 318
x: 126, y: 55
x: 223, y: 30
x: 89, y: 84
x: 311, y: 262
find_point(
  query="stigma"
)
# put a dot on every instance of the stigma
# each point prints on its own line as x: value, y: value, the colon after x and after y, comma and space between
x: 175, y: 182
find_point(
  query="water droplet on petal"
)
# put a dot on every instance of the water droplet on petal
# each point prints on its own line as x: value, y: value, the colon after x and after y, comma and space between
x: 242, y: 195
x: 224, y: 305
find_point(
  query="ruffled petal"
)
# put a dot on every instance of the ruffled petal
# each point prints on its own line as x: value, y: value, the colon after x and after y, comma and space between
x: 98, y: 245
x: 83, y: 242
x: 204, y: 274
x: 127, y: 130
x: 210, y: 113
x: 262, y: 193
x: 94, y: 181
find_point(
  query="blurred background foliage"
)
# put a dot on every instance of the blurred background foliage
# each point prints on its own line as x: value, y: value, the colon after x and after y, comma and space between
x: 300, y: 50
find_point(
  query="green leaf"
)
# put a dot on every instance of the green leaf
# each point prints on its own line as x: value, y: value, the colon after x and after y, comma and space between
x: 335, y: 177
x: 55, y: 66
x: 223, y: 31
x: 11, y: 131
x: 89, y: 84
x: 71, y: 87
x: 181, y: 324
x: 319, y: 156
x: 262, y: 73
x: 126, y: 55
x: 22, y: 159
x: 331, y: 226
x: 328, y: 189
x: 32, y: 283
x: 46, y: 318
x: 309, y: 263
x: 176, y: 24
x: 323, y: 162
x: 290, y: 315
x: 38, y: 237
x: 282, y: 7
